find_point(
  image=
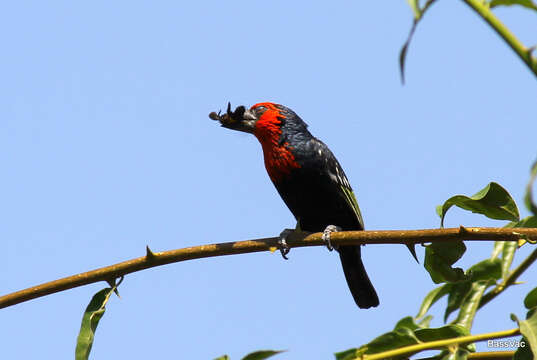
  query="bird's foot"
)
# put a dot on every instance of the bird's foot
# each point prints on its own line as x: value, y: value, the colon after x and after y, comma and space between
x: 327, y: 233
x: 282, y: 244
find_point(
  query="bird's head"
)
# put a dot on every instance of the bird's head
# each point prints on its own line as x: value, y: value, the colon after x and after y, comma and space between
x: 278, y: 129
x: 264, y: 120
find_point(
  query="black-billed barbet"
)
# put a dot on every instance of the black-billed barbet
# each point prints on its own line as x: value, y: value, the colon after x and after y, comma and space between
x: 310, y: 181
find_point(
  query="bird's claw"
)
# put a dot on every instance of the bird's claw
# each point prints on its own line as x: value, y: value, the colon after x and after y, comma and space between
x: 284, y: 248
x: 282, y: 244
x: 327, y: 233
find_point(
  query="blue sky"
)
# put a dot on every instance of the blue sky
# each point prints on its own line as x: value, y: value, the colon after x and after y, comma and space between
x: 106, y: 147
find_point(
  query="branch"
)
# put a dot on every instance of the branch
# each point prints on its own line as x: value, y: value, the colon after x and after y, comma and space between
x: 431, y: 345
x: 487, y: 355
x: 483, y: 10
x: 109, y: 273
x: 492, y: 355
x: 510, y: 280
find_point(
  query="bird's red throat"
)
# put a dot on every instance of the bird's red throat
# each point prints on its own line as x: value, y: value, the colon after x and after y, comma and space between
x: 279, y: 158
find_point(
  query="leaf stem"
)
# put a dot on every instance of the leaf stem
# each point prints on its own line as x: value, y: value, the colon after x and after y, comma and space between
x: 483, y: 10
x: 510, y: 279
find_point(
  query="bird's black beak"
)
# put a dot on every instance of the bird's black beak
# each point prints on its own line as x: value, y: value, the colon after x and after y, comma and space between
x: 241, y: 119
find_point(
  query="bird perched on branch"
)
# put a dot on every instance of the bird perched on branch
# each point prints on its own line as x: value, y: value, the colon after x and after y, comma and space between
x: 310, y: 181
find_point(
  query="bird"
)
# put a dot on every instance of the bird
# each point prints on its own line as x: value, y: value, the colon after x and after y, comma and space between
x: 311, y: 182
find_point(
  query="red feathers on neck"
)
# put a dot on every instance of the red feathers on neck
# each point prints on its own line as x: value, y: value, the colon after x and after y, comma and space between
x: 279, y: 159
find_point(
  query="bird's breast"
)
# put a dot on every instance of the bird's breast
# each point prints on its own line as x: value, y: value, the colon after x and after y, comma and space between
x: 279, y: 160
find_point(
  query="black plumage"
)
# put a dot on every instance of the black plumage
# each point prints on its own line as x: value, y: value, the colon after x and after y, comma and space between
x: 319, y: 194
x: 310, y: 181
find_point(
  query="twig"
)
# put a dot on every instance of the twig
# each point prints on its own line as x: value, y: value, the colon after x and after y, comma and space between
x: 513, y: 276
x: 487, y: 355
x: 152, y: 259
x: 441, y: 344
x: 492, y: 355
x: 483, y: 10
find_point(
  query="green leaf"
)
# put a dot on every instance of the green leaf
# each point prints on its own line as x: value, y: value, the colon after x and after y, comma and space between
x: 418, y: 14
x: 530, y: 301
x: 425, y: 322
x: 457, y: 354
x: 432, y: 297
x: 403, y: 335
x: 415, y: 6
x: 528, y: 198
x: 262, y: 354
x: 410, y: 323
x: 456, y: 297
x: 470, y: 304
x: 94, y: 312
x: 445, y: 332
x: 223, y: 357
x: 508, y: 255
x: 493, y: 201
x: 526, y: 3
x: 389, y: 341
x: 509, y: 247
x: 498, y: 248
x: 350, y: 354
x: 440, y: 256
x: 441, y: 333
x: 527, y: 222
x: 490, y: 269
x: 528, y: 329
x: 523, y: 352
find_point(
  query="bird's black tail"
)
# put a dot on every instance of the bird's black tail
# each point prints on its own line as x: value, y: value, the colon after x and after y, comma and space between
x: 362, y: 290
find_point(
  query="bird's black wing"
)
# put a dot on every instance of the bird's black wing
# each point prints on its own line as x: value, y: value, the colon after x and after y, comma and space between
x: 338, y: 177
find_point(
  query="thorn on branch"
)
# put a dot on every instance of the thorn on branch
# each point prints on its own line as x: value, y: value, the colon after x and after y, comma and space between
x: 149, y: 255
x: 114, y: 285
x: 463, y: 230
